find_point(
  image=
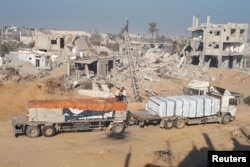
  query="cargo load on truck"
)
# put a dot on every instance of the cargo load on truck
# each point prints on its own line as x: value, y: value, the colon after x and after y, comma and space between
x: 183, y: 106
x: 73, y: 109
x: 48, y: 117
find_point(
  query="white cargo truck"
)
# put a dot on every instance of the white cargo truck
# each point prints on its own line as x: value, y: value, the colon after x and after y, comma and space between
x: 177, y: 111
x: 196, y: 87
x: 48, y: 117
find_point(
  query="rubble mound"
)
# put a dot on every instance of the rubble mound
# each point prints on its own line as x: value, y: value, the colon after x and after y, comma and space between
x: 21, y: 71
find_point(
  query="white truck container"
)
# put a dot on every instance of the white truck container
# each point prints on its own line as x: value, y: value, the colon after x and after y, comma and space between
x: 184, y: 106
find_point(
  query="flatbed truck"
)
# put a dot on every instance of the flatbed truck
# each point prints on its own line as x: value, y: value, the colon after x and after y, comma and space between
x: 49, y: 117
x: 219, y: 105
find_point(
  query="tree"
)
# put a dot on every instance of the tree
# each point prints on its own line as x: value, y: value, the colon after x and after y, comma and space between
x: 161, y: 38
x: 152, y: 29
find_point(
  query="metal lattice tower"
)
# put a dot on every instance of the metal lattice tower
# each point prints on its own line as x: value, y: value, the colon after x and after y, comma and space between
x: 132, y: 67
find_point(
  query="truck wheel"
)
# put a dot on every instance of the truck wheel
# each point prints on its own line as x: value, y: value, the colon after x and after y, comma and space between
x: 168, y: 124
x: 49, y: 131
x: 118, y: 128
x: 226, y: 119
x: 179, y: 123
x: 33, y: 131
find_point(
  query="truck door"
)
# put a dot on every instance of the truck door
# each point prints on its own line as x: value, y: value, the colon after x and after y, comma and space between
x: 232, y: 105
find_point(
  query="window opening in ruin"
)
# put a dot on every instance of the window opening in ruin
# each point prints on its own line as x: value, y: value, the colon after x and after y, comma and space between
x: 227, y: 38
x: 230, y: 63
x: 195, y: 60
x: 233, y: 31
x: 217, y: 33
x: 242, y: 31
x: 216, y: 46
x: 103, y: 53
x: 93, y: 67
x: 210, y: 32
x: 43, y: 50
x: 37, y: 63
x: 152, y: 45
x: 61, y: 42
x: 200, y: 46
x: 110, y: 65
x: 213, y: 61
x: 210, y: 44
x: 225, y: 30
x: 53, y: 42
x: 79, y: 66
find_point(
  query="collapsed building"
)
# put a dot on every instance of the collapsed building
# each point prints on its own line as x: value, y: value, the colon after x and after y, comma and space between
x: 219, y: 45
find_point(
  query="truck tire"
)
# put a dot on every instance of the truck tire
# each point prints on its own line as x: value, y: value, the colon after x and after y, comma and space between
x: 180, y: 123
x: 49, y: 131
x: 168, y: 124
x: 226, y: 119
x: 118, y: 128
x: 33, y: 131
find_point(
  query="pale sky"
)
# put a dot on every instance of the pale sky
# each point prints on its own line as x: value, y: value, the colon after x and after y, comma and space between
x: 172, y: 16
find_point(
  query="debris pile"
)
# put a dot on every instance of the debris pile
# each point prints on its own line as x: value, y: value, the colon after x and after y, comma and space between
x: 158, y: 65
x: 165, y: 155
x: 21, y: 70
x: 241, y: 135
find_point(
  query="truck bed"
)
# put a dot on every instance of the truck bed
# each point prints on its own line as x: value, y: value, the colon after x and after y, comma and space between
x: 144, y: 116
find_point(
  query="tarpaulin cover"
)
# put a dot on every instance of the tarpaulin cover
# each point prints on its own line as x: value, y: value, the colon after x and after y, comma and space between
x: 110, y: 104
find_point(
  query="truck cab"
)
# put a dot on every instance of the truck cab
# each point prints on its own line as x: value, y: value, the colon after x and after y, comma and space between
x: 228, y: 100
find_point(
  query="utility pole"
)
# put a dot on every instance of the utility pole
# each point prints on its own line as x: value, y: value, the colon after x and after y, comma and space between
x: 132, y: 65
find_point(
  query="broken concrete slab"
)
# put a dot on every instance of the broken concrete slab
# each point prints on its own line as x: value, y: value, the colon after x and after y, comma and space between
x: 95, y: 93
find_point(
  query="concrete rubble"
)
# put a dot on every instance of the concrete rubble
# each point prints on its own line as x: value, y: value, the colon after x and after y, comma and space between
x: 96, y: 92
x: 160, y: 65
x: 104, y: 69
x: 20, y: 70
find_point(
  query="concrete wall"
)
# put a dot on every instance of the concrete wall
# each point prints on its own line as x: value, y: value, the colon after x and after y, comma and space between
x: 48, y: 42
x: 39, y: 61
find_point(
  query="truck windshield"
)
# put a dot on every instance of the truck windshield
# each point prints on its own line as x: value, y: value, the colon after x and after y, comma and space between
x: 190, y: 91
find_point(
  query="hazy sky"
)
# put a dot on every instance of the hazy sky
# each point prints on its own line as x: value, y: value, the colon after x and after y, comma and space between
x: 171, y: 16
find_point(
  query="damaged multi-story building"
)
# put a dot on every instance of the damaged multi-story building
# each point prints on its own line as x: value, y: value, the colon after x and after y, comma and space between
x: 219, y: 45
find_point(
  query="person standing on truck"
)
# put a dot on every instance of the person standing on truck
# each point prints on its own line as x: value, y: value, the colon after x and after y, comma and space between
x: 117, y: 94
x: 123, y: 94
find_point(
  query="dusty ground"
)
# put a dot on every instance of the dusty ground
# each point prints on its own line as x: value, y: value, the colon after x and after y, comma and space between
x: 138, y: 147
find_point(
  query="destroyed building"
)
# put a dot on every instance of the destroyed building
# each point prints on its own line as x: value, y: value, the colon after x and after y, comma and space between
x: 140, y: 48
x: 40, y: 60
x: 86, y: 61
x: 54, y: 41
x: 219, y: 45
